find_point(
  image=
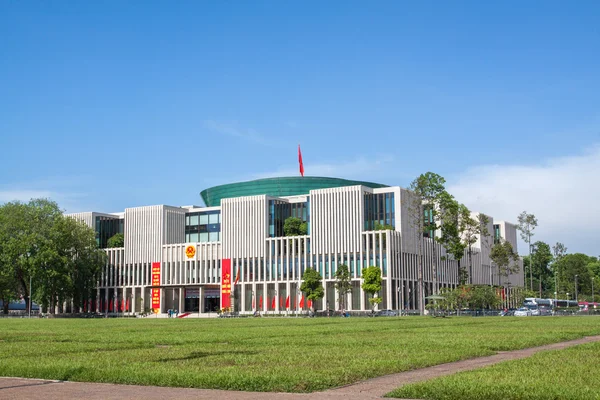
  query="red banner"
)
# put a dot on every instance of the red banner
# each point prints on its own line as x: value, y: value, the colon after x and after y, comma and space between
x: 226, y: 283
x: 156, y: 282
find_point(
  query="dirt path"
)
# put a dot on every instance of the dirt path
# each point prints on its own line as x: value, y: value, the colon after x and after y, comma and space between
x: 37, y: 389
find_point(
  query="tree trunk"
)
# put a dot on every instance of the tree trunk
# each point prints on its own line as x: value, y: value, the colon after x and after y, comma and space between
x: 470, y: 265
x: 25, y: 292
x: 5, y: 304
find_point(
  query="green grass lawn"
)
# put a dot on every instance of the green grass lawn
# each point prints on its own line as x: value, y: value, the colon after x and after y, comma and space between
x: 261, y: 354
x: 569, y: 374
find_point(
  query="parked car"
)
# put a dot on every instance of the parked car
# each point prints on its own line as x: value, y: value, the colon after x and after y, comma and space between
x: 523, y: 312
x: 545, y: 311
x: 507, y: 313
x: 386, y: 313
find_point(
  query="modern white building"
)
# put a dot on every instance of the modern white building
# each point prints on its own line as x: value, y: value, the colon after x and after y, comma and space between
x: 233, y: 252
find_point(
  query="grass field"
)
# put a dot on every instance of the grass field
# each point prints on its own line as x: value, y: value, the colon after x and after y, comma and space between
x: 570, y: 374
x: 261, y: 354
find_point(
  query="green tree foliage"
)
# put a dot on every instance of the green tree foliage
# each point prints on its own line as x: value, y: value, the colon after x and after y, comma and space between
x: 571, y: 265
x: 382, y: 227
x: 372, y: 284
x: 452, y: 226
x: 471, y: 229
x: 430, y: 188
x: 527, y: 224
x: 58, y: 254
x: 294, y: 227
x: 117, y: 240
x: 505, y: 258
x: 475, y: 297
x: 343, y: 284
x: 312, y: 286
x: 541, y: 258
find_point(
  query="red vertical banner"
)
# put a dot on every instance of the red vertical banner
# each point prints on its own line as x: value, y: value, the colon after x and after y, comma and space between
x: 226, y: 283
x: 155, y: 290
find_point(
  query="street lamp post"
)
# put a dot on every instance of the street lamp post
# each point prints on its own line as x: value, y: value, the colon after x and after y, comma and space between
x: 593, y: 278
x: 29, y: 296
x: 576, y: 298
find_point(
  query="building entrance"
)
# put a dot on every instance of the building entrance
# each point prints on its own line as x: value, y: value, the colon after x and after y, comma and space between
x: 192, y: 300
x: 192, y: 305
x: 212, y: 304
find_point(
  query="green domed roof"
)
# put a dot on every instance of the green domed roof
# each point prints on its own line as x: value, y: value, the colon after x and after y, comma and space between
x: 276, y: 187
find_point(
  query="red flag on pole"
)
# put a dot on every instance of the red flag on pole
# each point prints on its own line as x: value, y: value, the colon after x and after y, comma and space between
x: 127, y: 305
x: 237, y: 276
x: 110, y: 306
x: 309, y: 303
x: 274, y: 302
x: 302, y: 302
x: 287, y: 302
x: 253, y: 298
x: 280, y: 301
x: 260, y: 302
x: 300, y: 161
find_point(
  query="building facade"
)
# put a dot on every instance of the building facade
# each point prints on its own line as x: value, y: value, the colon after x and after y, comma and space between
x: 233, y: 253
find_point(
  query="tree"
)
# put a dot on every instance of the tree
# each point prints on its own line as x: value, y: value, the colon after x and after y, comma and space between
x: 559, y: 250
x: 26, y: 237
x: 504, y: 256
x: 311, y: 285
x: 527, y: 224
x: 117, y: 240
x: 372, y: 284
x: 484, y: 297
x: 294, y: 227
x: 471, y: 232
x: 58, y: 254
x: 574, y: 267
x: 430, y: 188
x: 451, y: 232
x: 540, y: 265
x: 343, y: 284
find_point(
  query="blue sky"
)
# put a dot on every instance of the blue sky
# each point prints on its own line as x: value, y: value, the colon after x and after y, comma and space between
x: 106, y: 105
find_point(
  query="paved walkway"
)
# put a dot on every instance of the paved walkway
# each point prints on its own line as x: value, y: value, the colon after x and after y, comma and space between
x: 37, y: 389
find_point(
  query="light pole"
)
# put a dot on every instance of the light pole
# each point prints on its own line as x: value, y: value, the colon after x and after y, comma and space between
x: 30, y: 296
x: 593, y: 278
x: 576, y: 298
x: 398, y: 299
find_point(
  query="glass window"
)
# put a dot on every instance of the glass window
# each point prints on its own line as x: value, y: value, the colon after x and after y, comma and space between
x: 193, y: 220
x: 203, y: 219
x: 214, y: 236
x: 193, y: 238
x: 214, y: 227
x: 213, y: 218
x: 203, y: 236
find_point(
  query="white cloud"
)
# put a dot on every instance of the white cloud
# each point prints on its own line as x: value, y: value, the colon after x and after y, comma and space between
x: 561, y: 192
x: 232, y: 129
x: 358, y: 168
x: 53, y: 189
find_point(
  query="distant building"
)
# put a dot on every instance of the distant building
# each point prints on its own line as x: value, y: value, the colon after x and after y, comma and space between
x: 233, y: 253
